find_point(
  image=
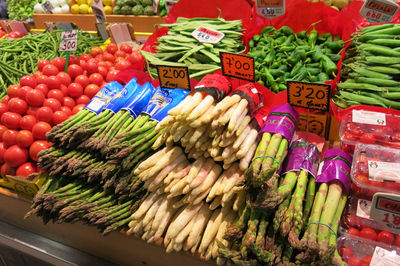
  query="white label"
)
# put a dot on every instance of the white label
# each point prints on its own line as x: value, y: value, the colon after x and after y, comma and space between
x: 155, y: 5
x: 207, y: 35
x: 383, y: 257
x: 169, y: 4
x: 385, y: 210
x: 363, y: 208
x: 379, y: 11
x: 254, y: 90
x: 367, y: 117
x: 69, y: 40
x: 270, y: 8
x: 384, y: 171
x: 95, y: 105
x: 48, y: 7
x: 98, y: 11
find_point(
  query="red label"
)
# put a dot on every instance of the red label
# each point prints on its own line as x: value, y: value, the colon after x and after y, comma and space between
x: 269, y: 3
x: 251, y: 94
x: 388, y: 205
x: 213, y: 33
x: 379, y: 6
x: 215, y: 85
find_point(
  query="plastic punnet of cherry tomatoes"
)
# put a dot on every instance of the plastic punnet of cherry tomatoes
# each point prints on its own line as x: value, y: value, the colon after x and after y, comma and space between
x: 385, y: 237
x: 346, y: 253
x: 368, y: 233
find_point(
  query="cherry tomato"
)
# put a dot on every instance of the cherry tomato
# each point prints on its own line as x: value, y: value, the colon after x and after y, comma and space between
x: 385, y: 237
x: 54, y: 104
x: 27, y: 122
x: 112, y: 75
x: 77, y: 108
x: 50, y: 70
x: 53, y: 82
x: 69, y: 102
x: 24, y: 138
x: 112, y: 48
x: 23, y: 91
x: 73, y: 59
x: 95, y: 51
x: 37, y: 74
x: 126, y: 48
x: 85, y: 57
x: 91, y: 67
x: 83, y: 64
x: 66, y: 110
x: 4, y: 107
x: 59, y: 117
x: 83, y: 99
x: 35, y: 97
x: 40, y: 129
x: 3, y: 149
x: 96, y: 78
x: 59, y: 62
x: 26, y: 169
x: 108, y: 57
x: 11, y: 120
x: 43, y: 88
x: 15, y: 155
x: 83, y: 80
x: 44, y: 114
x: 103, y: 71
x: 6, y: 169
x: 42, y: 63
x: 75, y: 90
x: 368, y: 233
x: 74, y: 71
x: 368, y: 138
x: 36, y: 147
x: 12, y: 91
x: 354, y: 261
x: 56, y: 94
x: 366, y: 261
x: 353, y: 231
x: 346, y: 253
x: 120, y: 53
x: 135, y: 57
x: 5, y: 100
x: 123, y: 64
x: 43, y: 79
x: 397, y: 243
x: 64, y: 89
x: 27, y: 80
x: 91, y: 90
x: 10, y: 137
x: 32, y: 110
x: 18, y: 106
x: 2, y: 130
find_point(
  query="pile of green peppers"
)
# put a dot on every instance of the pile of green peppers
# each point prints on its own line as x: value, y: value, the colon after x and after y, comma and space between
x: 282, y: 55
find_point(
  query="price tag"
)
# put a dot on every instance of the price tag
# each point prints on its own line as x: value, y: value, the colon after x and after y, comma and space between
x: 309, y: 95
x: 379, y: 11
x: 270, y: 8
x: 237, y: 66
x: 98, y: 11
x: 48, y: 7
x: 384, y: 257
x: 69, y: 40
x: 385, y: 210
x: 169, y: 4
x: 314, y: 123
x: 173, y: 77
x: 207, y: 35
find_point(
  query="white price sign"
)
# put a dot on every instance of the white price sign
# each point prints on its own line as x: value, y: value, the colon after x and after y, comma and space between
x: 379, y: 11
x: 69, y: 40
x: 98, y: 11
x: 384, y: 257
x: 385, y: 210
x: 270, y: 8
x: 207, y: 35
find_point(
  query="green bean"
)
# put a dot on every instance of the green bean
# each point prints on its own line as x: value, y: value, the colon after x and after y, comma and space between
x: 384, y: 60
x: 355, y: 86
x: 371, y: 74
x: 377, y: 81
x: 384, y: 69
x: 361, y: 98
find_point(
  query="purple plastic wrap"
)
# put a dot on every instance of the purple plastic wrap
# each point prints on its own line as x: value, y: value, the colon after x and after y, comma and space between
x: 336, y: 165
x: 282, y: 119
x: 302, y: 156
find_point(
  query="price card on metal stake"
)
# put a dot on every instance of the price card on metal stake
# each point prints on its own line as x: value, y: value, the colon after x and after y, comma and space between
x: 173, y: 77
x: 379, y: 11
x: 207, y: 35
x: 98, y: 11
x: 314, y: 123
x: 270, y: 8
x: 69, y: 41
x: 169, y: 4
x: 237, y: 66
x: 48, y: 7
x: 313, y: 96
x: 385, y: 209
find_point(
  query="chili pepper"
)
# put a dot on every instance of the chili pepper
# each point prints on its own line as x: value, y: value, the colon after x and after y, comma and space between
x: 286, y: 30
x: 282, y: 87
x: 317, y: 54
x: 328, y: 65
x: 296, y: 68
x: 287, y: 48
x: 323, y: 77
x: 313, y: 78
x: 251, y: 43
x: 256, y: 37
x: 301, y: 35
x: 276, y: 72
x: 280, y: 40
x: 267, y: 30
x: 313, y: 71
x: 325, y: 37
x: 270, y: 80
x: 283, y: 67
x: 312, y: 37
x: 301, y: 74
x: 334, y: 57
x: 288, y: 40
x: 334, y: 45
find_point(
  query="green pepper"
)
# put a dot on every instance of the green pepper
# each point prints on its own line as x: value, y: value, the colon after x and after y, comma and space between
x: 289, y: 40
x: 282, y: 87
x: 256, y: 37
x: 301, y: 52
x: 329, y: 66
x: 313, y: 78
x: 313, y: 70
x: 324, y: 37
x: 317, y: 54
x: 251, y: 43
x: 261, y: 82
x: 312, y: 37
x: 283, y: 67
x: 301, y: 75
x: 313, y: 65
x: 296, y: 68
x: 287, y: 48
x: 275, y: 65
x: 301, y: 35
x: 323, y: 77
x: 270, y: 80
x: 276, y: 72
x: 334, y: 57
x: 286, y: 30
x: 267, y: 30
x: 280, y: 40
x: 335, y: 45
x: 293, y: 59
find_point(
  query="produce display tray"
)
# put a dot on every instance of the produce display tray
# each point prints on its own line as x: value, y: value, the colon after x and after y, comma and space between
x: 115, y: 247
x: 141, y: 24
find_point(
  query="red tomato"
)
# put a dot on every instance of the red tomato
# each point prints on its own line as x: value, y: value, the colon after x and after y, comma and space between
x: 37, y: 74
x: 56, y: 94
x: 15, y: 155
x: 2, y: 130
x: 366, y: 261
x: 368, y: 233
x: 112, y: 75
x: 64, y: 89
x: 40, y: 129
x: 42, y: 63
x: 126, y: 48
x: 96, y: 78
x: 83, y: 99
x: 32, y: 110
x: 397, y: 243
x: 18, y: 106
x: 27, y: 80
x: 43, y: 79
x: 4, y: 107
x: 43, y: 88
x: 27, y: 122
x: 50, y: 70
x: 91, y: 67
x: 135, y: 57
x: 10, y: 137
x: 95, y: 51
x: 74, y: 71
x: 83, y: 64
x: 36, y: 147
x: 11, y: 120
x: 73, y: 59
x: 108, y: 57
x: 23, y: 91
x: 59, y: 62
x: 26, y: 169
x: 112, y: 48
x: 77, y: 108
x: 103, y: 71
x: 120, y: 54
x: 54, y: 104
x: 83, y: 80
x: 53, y: 82
x: 107, y: 64
x: 69, y: 102
x: 346, y: 253
x: 385, y: 237
x: 6, y: 169
x: 24, y: 138
x: 35, y: 97
x: 354, y: 261
x: 85, y: 57
x: 3, y: 149
x: 12, y: 91
x: 66, y: 110
x: 5, y: 100
x: 123, y: 64
x: 44, y: 114
x: 75, y: 90
x: 368, y: 138
x: 59, y: 117
x: 353, y: 231
x: 91, y: 90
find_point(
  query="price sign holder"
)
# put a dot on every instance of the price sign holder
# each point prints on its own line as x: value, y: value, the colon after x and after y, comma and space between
x: 173, y: 77
x: 121, y: 33
x: 238, y: 66
x: 169, y: 4
x: 385, y: 210
x: 270, y: 8
x: 379, y: 11
x: 25, y: 186
x: 102, y: 31
x: 98, y: 11
x: 68, y: 43
x: 66, y: 26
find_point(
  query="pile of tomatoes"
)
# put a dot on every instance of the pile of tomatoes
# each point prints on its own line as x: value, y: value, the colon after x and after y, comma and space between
x: 49, y: 97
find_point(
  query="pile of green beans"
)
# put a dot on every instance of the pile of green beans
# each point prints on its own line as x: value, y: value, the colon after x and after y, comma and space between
x: 19, y: 57
x: 371, y: 72
x: 180, y: 48
x: 282, y: 55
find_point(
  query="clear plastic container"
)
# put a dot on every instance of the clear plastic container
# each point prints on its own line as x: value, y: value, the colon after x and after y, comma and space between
x: 360, y: 251
x: 375, y: 169
x: 361, y: 126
